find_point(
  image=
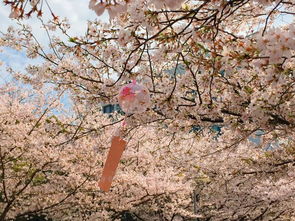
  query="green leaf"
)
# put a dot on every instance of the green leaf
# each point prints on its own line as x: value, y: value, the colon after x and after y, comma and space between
x: 248, y: 89
x: 72, y: 40
x: 19, y: 166
x: 39, y: 179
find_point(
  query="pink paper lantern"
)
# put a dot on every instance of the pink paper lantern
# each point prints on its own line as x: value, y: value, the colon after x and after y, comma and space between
x: 134, y: 98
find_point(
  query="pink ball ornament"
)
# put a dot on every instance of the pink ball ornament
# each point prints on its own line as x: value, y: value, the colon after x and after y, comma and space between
x: 134, y: 98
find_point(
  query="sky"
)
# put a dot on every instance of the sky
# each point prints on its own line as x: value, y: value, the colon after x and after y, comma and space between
x: 76, y: 11
x: 78, y: 14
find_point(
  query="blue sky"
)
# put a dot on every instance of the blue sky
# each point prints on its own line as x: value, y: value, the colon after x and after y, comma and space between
x: 78, y: 14
x: 76, y: 11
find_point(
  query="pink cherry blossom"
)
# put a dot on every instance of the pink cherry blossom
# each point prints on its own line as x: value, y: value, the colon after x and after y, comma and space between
x: 209, y: 124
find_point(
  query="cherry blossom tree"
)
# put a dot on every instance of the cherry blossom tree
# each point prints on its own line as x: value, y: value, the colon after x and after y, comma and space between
x: 50, y: 168
x: 210, y: 63
x: 37, y: 169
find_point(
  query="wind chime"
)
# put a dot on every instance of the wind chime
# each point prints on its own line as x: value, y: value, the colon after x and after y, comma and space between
x: 133, y: 99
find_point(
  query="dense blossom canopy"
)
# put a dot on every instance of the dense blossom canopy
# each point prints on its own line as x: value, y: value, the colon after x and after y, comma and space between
x: 220, y: 74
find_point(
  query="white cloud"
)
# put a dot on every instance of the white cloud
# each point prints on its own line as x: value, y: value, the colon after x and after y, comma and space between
x: 76, y: 11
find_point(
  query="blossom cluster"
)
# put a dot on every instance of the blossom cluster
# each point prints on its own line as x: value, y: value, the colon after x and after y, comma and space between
x: 206, y: 65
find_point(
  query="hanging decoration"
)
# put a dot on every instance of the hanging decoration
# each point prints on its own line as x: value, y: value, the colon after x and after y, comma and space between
x: 133, y: 99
